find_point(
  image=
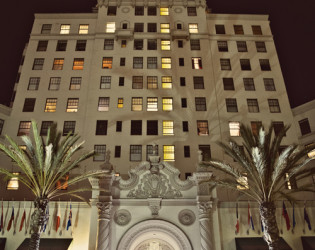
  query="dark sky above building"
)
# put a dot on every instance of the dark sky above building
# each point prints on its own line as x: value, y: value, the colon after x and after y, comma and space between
x: 292, y: 24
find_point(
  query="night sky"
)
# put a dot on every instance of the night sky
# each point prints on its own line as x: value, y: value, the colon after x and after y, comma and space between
x: 292, y: 25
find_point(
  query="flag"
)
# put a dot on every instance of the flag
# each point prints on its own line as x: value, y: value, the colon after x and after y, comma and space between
x: 58, y: 217
x: 250, y: 219
x: 307, y: 219
x: 237, y: 226
x: 70, y: 217
x: 262, y: 226
x: 22, y: 219
x: 47, y: 214
x: 11, y: 219
x: 293, y: 218
x: 1, y: 221
x: 286, y: 216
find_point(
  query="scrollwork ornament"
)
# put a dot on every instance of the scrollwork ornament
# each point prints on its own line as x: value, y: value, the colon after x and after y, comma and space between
x: 104, y: 209
x: 204, y: 207
x: 186, y: 217
x: 122, y: 217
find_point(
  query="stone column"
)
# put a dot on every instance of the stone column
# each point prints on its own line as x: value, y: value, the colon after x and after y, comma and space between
x: 205, y: 207
x: 103, y: 227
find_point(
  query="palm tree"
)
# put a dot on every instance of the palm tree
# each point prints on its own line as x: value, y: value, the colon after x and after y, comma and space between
x: 259, y: 159
x: 44, y: 164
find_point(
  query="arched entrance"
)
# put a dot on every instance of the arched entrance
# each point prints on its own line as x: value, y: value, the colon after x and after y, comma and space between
x: 154, y: 235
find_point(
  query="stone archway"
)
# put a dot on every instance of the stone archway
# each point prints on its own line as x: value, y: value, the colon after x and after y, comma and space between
x: 154, y: 232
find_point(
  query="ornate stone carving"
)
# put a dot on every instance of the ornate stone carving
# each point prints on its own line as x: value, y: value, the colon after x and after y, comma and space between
x: 204, y: 207
x: 103, y: 229
x: 186, y: 217
x: 155, y: 206
x: 104, y: 209
x: 122, y: 217
x: 125, y: 10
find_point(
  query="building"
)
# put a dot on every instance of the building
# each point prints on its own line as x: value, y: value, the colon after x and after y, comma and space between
x: 135, y: 78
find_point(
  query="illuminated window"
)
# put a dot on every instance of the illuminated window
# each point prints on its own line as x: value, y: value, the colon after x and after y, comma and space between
x: 152, y: 104
x: 110, y: 27
x: 274, y: 106
x: 137, y: 82
x: 65, y: 29
x: 123, y: 44
x: 269, y: 84
x: 205, y: 152
x: 165, y: 44
x: 191, y: 11
x: 245, y: 64
x: 38, y: 63
x: 111, y: 10
x: 241, y: 46
x: 312, y: 156
x: 138, y: 44
x: 196, y: 62
x: 255, y: 127
x: 138, y: 62
x: 42, y: 45
x: 107, y: 62
x: 135, y: 152
x: 235, y: 128
x: 168, y: 127
x: 24, y: 128
x: 83, y: 29
x: 231, y: 105
x: 225, y: 64
x: 29, y: 104
x: 169, y: 153
x: 33, y: 83
x: 193, y: 28
x: 45, y: 126
x: 167, y: 103
x: 120, y: 103
x: 105, y: 82
x: 68, y: 127
x: 198, y: 82
x: 108, y: 44
x: 139, y: 10
x: 152, y: 127
x: 101, y: 127
x: 249, y: 84
x: 51, y: 104
x: 78, y: 63
x: 100, y: 151
x: 75, y: 83
x: 290, y: 181
x: 238, y: 30
x: 61, y: 45
x: 58, y: 64
x: 150, y: 151
x: 13, y: 183
x: 80, y: 45
x: 72, y: 105
x: 136, y: 104
x: 165, y: 27
x: 200, y: 103
x: 62, y: 183
x: 103, y: 104
x: 256, y: 29
x: 152, y: 62
x: 152, y: 82
x: 202, y: 127
x: 261, y: 47
x: 164, y: 11
x: 252, y: 105
x: 46, y: 29
x: 223, y: 46
x: 166, y: 82
x: 166, y: 63
x: 243, y: 181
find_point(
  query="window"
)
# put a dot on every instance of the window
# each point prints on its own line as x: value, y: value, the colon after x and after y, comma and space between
x: 122, y: 61
x: 181, y: 61
x: 202, y: 127
x: 65, y: 29
x: 58, y: 64
x: 225, y: 64
x: 241, y: 46
x: 101, y: 127
x: 180, y: 44
x: 107, y: 62
x: 105, y: 82
x: 305, y: 126
x: 198, y: 82
x: 205, y: 152
x: 238, y: 30
x: 42, y: 45
x: 167, y: 103
x: 256, y: 30
x: 223, y: 46
x: 168, y: 127
x: 191, y: 11
x: 274, y: 106
x: 111, y: 10
x: 68, y: 127
x: 120, y: 103
x: 194, y: 44
x: 72, y: 105
x: 150, y: 152
x: 151, y: 11
x: 103, y: 104
x: 29, y: 104
x: 249, y: 84
x: 45, y: 126
x: 1, y: 125
x: 185, y: 126
x: 33, y: 83
x: 165, y: 27
x: 38, y: 64
x: 100, y: 151
x: 138, y: 44
x: 139, y: 27
x: 123, y: 43
x: 110, y: 27
x: 75, y: 83
x: 135, y: 152
x: 118, y: 126
x: 121, y: 81
x: 184, y: 102
x: 51, y: 104
x: 255, y: 127
x: 165, y: 44
x: 108, y: 44
x: 269, y: 84
x: 166, y: 63
x: 235, y: 128
x: 139, y: 10
x: 228, y: 83
x: 152, y: 62
x: 264, y: 64
x: 117, y: 151
x: 152, y: 82
x: 136, y: 127
x: 125, y: 26
x: 196, y: 62
x: 231, y: 105
x: 168, y: 153
x: 13, y: 183
x: 277, y: 127
x: 46, y: 29
x: 78, y: 63
x: 137, y: 82
x: 152, y: 27
x: 261, y: 46
x: 152, y: 127
x: 24, y: 128
x: 290, y: 182
x: 138, y: 62
x: 54, y: 83
x: 166, y: 82
x: 136, y: 104
x: 219, y: 29
x: 193, y: 28
x: 200, y: 103
x: 61, y: 45
x: 164, y: 11
x: 84, y: 29
x: 243, y: 182
x: 182, y: 81
x: 152, y: 104
x: 245, y: 64
x: 81, y: 45
x: 152, y: 44
x: 186, y: 151
x: 252, y: 105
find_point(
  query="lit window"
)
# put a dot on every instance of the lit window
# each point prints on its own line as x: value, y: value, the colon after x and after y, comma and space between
x: 198, y: 82
x: 103, y: 104
x: 166, y: 82
x: 196, y: 62
x: 46, y: 29
x: 169, y: 153
x: 152, y: 82
x: 166, y: 63
x: 101, y: 127
x: 100, y: 151
x: 202, y: 127
x: 255, y: 127
x: 138, y: 62
x: 68, y: 127
x: 191, y: 11
x: 167, y: 103
x: 13, y: 183
x: 110, y: 27
x: 123, y: 44
x: 107, y: 62
x: 193, y: 28
x: 120, y: 103
x: 33, y: 83
x: 136, y: 104
x: 238, y: 30
x: 72, y: 105
x: 135, y: 152
x: 58, y: 64
x: 274, y: 106
x: 223, y: 46
x: 252, y: 105
x: 312, y: 156
x: 78, y: 63
x: 152, y: 104
x: 81, y: 45
x: 231, y: 105
x: 164, y: 11
x: 152, y: 62
x: 84, y: 29
x: 42, y: 45
x: 249, y: 84
x: 137, y: 82
x: 243, y: 183
x: 256, y: 29
x: 165, y: 27
x: 165, y: 44
x: 38, y: 63
x: 24, y: 128
x: 200, y: 103
x: 65, y: 29
x: 62, y: 183
x: 290, y: 181
x: 168, y: 127
x: 51, y: 104
x: 54, y: 83
x: 205, y: 152
x: 61, y: 45
x: 235, y: 128
x: 269, y: 84
x: 105, y: 82
x: 108, y: 44
x: 45, y: 126
x: 75, y: 83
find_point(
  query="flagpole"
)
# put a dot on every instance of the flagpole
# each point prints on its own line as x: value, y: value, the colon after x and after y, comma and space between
x: 28, y: 219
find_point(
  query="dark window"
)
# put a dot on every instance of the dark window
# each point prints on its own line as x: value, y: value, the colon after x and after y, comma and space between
x: 205, y: 152
x: 138, y: 62
x: 185, y: 126
x: 1, y: 125
x: 261, y: 46
x: 152, y: 27
x: 274, y: 106
x: 255, y: 127
x: 305, y: 126
x: 118, y: 126
x: 121, y: 81
x: 152, y: 127
x: 223, y: 46
x: 117, y: 151
x: 245, y: 64
x: 184, y: 102
x: 46, y: 29
x: 42, y: 45
x: 200, y: 103
x: 219, y: 29
x: 137, y: 82
x: 180, y: 44
x: 111, y: 10
x: 231, y: 105
x: 38, y: 64
x: 151, y: 11
x: 68, y: 127
x: 241, y: 46
x: 152, y: 44
x: 269, y: 84
x: 252, y: 105
x: 181, y: 61
x: 45, y: 126
x: 29, y: 104
x: 191, y: 11
x: 139, y: 10
x: 122, y: 61
x: 198, y: 82
x: 138, y: 44
x: 186, y: 151
x: 228, y: 83
x: 33, y: 83
x: 249, y: 84
x: 124, y: 26
x: 108, y: 44
x: 256, y: 29
x: 136, y: 127
x: 105, y: 82
x: 101, y: 127
x: 238, y: 30
x: 100, y: 151
x: 277, y: 127
x: 225, y: 64
x: 61, y: 45
x: 264, y: 64
x: 81, y: 45
x: 135, y: 152
x: 194, y: 44
x: 138, y: 27
x: 152, y: 62
x: 182, y: 81
x: 179, y: 26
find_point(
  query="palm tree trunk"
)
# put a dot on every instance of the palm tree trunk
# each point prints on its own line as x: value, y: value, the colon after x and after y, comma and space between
x: 39, y: 217
x: 268, y: 216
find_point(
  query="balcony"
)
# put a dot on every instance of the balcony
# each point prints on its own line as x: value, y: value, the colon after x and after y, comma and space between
x: 179, y: 34
x: 124, y: 34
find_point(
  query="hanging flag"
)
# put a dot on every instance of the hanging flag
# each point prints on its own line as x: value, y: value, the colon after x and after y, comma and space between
x: 58, y: 217
x: 11, y: 219
x: 286, y: 216
x: 22, y: 219
x: 1, y: 221
x: 250, y: 219
x: 47, y: 215
x: 27, y: 224
x: 70, y: 217
x: 307, y: 219
x: 293, y: 218
x: 237, y: 226
x: 262, y: 225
